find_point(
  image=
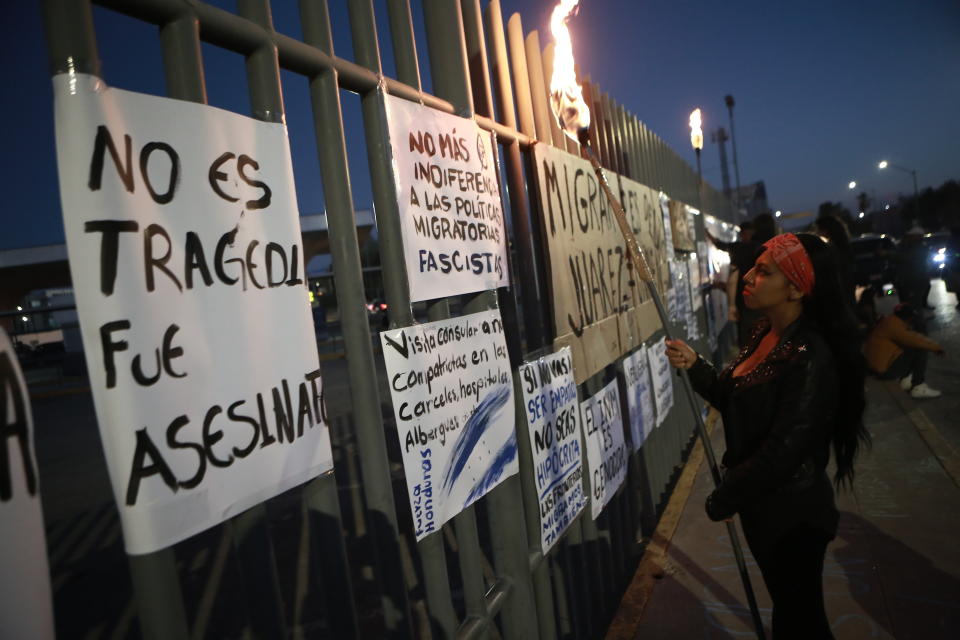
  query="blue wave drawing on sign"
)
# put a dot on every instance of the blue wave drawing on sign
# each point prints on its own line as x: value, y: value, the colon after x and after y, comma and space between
x: 478, y: 423
x: 506, y: 455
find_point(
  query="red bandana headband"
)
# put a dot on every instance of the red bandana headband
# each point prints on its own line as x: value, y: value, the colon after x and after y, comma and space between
x: 793, y: 260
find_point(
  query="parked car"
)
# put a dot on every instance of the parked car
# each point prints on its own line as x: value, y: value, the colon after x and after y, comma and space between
x: 377, y: 313
x: 874, y: 260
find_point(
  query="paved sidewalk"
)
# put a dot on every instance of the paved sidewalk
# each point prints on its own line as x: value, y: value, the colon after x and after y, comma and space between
x: 892, y: 572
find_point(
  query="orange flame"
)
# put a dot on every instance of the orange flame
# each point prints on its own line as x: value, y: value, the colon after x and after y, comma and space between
x: 566, y: 96
x: 696, y: 133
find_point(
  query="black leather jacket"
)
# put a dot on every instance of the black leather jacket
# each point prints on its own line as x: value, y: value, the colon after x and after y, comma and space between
x: 778, y: 423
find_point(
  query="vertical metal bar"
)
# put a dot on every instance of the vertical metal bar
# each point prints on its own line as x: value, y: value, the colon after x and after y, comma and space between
x: 361, y: 370
x: 559, y: 139
x: 623, y: 148
x: 649, y: 160
x: 251, y: 537
x: 637, y: 147
x: 72, y: 48
x: 523, y: 231
x: 643, y: 172
x: 448, y: 57
x: 322, y: 510
x: 182, y: 66
x: 471, y: 568
x: 518, y: 62
x: 538, y: 88
x: 404, y: 46
x: 613, y: 142
x: 477, y: 61
x: 533, y: 320
x: 319, y: 497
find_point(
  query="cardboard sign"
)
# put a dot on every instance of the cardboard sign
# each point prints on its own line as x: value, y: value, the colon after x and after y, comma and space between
x: 598, y: 303
x: 553, y: 418
x: 640, y: 402
x: 451, y: 212
x: 26, y: 609
x: 662, y: 376
x: 642, y: 205
x: 452, y: 393
x: 606, y: 450
x: 185, y: 251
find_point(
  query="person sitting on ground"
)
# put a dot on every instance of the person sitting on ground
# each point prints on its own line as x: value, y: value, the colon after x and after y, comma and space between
x: 796, y: 388
x: 866, y: 310
x: 895, y: 351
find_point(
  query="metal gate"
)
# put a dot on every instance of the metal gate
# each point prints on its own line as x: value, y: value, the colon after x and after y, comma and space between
x: 354, y: 570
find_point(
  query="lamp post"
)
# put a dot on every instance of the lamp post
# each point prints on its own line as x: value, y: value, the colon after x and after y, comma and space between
x: 733, y: 137
x: 913, y: 172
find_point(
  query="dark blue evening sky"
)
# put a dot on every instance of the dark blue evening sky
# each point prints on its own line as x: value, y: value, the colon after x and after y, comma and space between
x: 824, y: 90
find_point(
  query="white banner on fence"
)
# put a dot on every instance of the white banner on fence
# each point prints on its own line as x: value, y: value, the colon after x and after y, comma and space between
x: 636, y: 373
x: 606, y: 449
x: 26, y: 609
x: 667, y: 225
x: 553, y: 419
x: 660, y: 373
x: 452, y: 393
x: 451, y: 212
x: 185, y: 250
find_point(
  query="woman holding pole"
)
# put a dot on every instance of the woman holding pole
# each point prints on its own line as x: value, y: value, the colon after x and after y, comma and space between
x: 795, y: 389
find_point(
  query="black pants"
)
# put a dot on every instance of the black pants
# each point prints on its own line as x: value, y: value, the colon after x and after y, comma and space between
x: 793, y: 572
x: 911, y: 361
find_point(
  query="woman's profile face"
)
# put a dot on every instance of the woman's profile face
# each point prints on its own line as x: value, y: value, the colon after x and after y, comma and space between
x: 765, y: 286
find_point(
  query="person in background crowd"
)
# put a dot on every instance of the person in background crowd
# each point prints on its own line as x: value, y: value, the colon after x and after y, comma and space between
x: 866, y: 310
x: 743, y: 253
x: 834, y: 231
x: 951, y: 271
x: 894, y: 351
x: 794, y: 390
x: 913, y: 280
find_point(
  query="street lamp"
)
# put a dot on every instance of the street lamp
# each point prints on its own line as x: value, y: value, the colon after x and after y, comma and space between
x: 852, y: 185
x: 778, y: 213
x: 913, y: 172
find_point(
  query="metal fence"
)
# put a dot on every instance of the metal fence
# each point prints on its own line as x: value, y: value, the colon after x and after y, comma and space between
x: 336, y: 557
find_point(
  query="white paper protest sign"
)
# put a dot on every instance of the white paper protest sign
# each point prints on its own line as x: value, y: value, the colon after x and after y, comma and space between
x: 26, y: 609
x: 452, y: 392
x: 187, y: 262
x: 660, y: 373
x: 606, y: 450
x: 636, y: 372
x: 553, y: 419
x: 451, y: 212
x: 667, y: 225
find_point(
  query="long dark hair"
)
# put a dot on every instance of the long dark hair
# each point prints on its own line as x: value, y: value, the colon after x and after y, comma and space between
x: 835, y: 231
x: 830, y: 312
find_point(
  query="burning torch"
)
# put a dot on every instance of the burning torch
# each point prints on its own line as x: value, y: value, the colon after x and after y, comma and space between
x: 573, y: 114
x: 696, y: 140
